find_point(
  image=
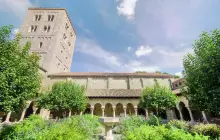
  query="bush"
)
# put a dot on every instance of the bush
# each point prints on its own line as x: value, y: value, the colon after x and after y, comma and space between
x: 146, y: 132
x: 154, y: 120
x: 179, y: 124
x: 36, y: 128
x: 211, y: 130
x: 28, y: 129
x: 129, y: 123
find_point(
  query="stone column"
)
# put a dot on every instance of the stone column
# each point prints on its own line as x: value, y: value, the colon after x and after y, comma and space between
x: 92, y: 110
x: 181, y: 115
x: 146, y: 114
x: 125, y: 110
x: 8, y: 117
x: 81, y: 113
x: 22, y: 115
x: 190, y: 114
x: 204, y: 116
x: 114, y: 108
x: 70, y: 113
x: 103, y: 111
x: 34, y: 110
x: 135, y: 110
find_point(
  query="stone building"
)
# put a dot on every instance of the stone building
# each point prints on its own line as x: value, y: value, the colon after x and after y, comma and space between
x: 110, y: 94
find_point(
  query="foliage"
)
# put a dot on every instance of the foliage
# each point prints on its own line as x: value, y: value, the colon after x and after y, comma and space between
x: 35, y: 128
x: 130, y: 123
x: 28, y: 129
x: 165, y: 73
x: 211, y: 130
x: 19, y: 72
x: 146, y: 132
x: 154, y: 120
x: 176, y: 76
x: 179, y: 124
x: 202, y: 72
x: 158, y: 97
x: 64, y: 96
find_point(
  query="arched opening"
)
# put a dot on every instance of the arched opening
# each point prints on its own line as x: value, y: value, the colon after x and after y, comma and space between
x: 177, y: 114
x: 197, y: 115
x: 29, y: 110
x: 130, y: 109
x: 88, y: 109
x: 98, y: 109
x: 37, y: 111
x: 119, y: 112
x: 184, y: 111
x: 141, y: 111
x: 108, y: 110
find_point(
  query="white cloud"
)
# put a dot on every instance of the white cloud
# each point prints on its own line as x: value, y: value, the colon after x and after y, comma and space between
x: 127, y: 8
x: 92, y: 48
x: 179, y: 74
x: 135, y: 65
x: 143, y: 50
x: 129, y: 49
x: 15, y: 31
x: 18, y: 7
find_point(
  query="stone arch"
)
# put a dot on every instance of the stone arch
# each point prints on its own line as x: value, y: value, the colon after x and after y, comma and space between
x: 184, y: 111
x: 98, y: 109
x: 108, y: 110
x: 130, y: 109
x: 88, y: 109
x: 119, y: 110
x: 30, y: 110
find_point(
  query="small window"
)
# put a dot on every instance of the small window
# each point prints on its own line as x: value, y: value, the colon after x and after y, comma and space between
x: 71, y: 34
x: 180, y: 83
x: 35, y: 28
x: 50, y: 17
x: 64, y: 36
x: 46, y: 28
x: 67, y: 26
x: 176, y: 85
x: 66, y: 57
x: 41, y: 44
x: 37, y: 17
x: 61, y: 51
x: 69, y: 43
x: 142, y: 84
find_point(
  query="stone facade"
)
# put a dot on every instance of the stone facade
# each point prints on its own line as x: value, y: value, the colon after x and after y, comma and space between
x: 52, y: 37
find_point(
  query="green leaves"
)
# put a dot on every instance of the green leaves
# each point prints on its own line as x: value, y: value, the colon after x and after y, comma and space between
x: 19, y: 77
x: 64, y: 96
x: 202, y: 72
x: 158, y: 97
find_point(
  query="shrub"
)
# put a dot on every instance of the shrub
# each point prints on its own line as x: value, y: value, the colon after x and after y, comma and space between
x: 179, y: 124
x: 26, y: 130
x: 211, y: 130
x: 146, y: 132
x: 154, y: 120
x: 36, y: 128
x: 129, y: 123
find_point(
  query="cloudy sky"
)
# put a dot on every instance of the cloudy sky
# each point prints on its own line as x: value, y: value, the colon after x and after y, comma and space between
x: 127, y: 35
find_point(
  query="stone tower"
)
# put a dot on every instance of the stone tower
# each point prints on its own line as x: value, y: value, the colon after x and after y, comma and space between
x: 52, y: 36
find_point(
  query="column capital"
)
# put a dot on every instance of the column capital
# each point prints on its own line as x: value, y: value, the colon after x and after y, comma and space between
x: 103, y: 107
x: 124, y: 107
x: 92, y: 107
x: 135, y: 107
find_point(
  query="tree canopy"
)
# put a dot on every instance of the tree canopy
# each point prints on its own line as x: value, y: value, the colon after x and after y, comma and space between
x: 19, y: 72
x: 202, y: 72
x: 64, y: 96
x: 158, y: 97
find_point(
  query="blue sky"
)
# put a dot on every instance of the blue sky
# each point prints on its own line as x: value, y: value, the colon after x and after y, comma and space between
x: 127, y: 35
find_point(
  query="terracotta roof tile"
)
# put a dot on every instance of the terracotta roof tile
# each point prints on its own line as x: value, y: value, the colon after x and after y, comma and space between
x: 100, y: 74
x: 114, y: 93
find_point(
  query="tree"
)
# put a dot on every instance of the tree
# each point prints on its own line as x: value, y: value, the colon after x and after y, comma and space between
x: 158, y: 97
x: 64, y: 96
x: 202, y: 72
x: 19, y: 72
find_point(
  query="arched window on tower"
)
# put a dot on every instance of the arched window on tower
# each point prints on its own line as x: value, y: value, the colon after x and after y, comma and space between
x: 142, y: 84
